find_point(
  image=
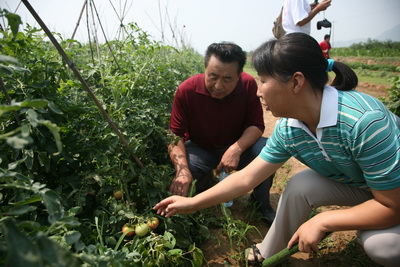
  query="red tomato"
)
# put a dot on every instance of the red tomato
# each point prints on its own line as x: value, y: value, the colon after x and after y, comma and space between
x: 128, y: 229
x: 118, y: 194
x: 153, y: 223
x: 141, y: 229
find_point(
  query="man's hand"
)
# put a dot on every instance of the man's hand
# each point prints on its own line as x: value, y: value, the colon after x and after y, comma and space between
x: 181, y: 184
x: 230, y: 159
x: 323, y: 5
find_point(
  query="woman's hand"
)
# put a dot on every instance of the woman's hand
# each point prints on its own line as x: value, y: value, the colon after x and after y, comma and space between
x: 173, y: 205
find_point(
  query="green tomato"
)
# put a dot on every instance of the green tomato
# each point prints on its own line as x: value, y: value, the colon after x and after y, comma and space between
x: 141, y: 229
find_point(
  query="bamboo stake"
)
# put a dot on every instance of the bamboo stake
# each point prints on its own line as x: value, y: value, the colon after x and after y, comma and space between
x: 77, y: 24
x: 105, y: 37
x: 80, y: 78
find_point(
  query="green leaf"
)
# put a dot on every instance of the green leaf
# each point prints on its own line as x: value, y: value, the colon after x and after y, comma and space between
x: 6, y: 70
x: 72, y: 237
x: 8, y: 59
x: 17, y: 142
x: 29, y: 159
x: 70, y: 221
x: 14, y: 21
x: 32, y: 116
x: 197, y: 257
x: 55, y: 108
x: 19, y: 69
x: 30, y: 200
x: 7, y: 108
x: 19, y: 210
x: 56, y: 134
x: 21, y: 251
x: 44, y: 160
x: 34, y: 103
x: 29, y: 226
x: 174, y: 252
x: 13, y: 165
x: 171, y: 240
x: 53, y: 205
x: 55, y: 255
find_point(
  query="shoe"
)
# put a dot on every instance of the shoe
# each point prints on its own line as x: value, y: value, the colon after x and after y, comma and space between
x: 257, y: 257
x: 268, y: 216
x: 267, y: 212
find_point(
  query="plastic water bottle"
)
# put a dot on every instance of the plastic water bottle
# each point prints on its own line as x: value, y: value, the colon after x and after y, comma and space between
x: 222, y: 176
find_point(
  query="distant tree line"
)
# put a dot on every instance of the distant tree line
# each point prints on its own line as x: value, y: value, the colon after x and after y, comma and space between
x: 370, y: 48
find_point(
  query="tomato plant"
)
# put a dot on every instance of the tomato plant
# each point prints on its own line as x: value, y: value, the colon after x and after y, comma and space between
x: 60, y: 161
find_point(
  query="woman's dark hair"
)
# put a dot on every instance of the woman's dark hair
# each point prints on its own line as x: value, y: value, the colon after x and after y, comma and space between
x: 294, y: 52
x: 226, y: 52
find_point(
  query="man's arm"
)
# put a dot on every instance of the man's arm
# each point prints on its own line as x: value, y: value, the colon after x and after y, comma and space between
x: 231, y: 157
x: 181, y: 183
x: 320, y: 7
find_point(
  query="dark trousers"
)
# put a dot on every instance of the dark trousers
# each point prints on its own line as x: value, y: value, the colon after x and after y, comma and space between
x: 202, y: 162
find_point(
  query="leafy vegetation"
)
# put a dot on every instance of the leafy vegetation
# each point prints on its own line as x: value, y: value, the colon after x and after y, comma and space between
x: 61, y: 162
x: 370, y: 48
x: 393, y: 101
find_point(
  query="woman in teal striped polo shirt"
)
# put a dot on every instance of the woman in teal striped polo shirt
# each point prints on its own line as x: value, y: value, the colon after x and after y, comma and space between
x: 349, y: 140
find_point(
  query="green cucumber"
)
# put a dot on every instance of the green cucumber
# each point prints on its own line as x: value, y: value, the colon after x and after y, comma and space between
x: 281, y: 255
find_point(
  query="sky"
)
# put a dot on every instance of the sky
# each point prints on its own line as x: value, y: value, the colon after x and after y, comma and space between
x: 198, y: 23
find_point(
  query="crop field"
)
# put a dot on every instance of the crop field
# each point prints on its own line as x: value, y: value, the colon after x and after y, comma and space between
x: 83, y: 161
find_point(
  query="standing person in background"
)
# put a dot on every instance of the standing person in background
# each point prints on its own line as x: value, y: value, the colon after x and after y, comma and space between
x: 297, y: 14
x: 219, y: 120
x: 326, y: 45
x: 349, y: 141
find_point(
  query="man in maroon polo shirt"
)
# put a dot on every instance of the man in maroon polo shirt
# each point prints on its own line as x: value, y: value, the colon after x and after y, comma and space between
x: 219, y: 120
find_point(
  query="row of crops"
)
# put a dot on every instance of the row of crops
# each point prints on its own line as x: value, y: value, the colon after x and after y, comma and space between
x: 376, y: 59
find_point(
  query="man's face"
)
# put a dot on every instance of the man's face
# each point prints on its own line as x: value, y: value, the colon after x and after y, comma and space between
x: 221, y: 78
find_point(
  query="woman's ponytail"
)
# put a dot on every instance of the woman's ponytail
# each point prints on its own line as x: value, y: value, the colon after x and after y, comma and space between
x: 346, y: 79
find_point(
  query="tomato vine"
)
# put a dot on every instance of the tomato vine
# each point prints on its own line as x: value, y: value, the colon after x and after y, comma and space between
x: 61, y: 162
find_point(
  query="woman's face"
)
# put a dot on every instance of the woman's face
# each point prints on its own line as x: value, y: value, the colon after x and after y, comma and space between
x: 275, y: 95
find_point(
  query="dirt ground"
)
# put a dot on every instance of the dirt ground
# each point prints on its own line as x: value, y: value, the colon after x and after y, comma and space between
x: 340, y: 249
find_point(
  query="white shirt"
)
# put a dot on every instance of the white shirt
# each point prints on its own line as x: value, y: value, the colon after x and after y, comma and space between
x: 295, y: 11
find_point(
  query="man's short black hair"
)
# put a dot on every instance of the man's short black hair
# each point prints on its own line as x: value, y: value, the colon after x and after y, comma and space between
x: 226, y: 52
